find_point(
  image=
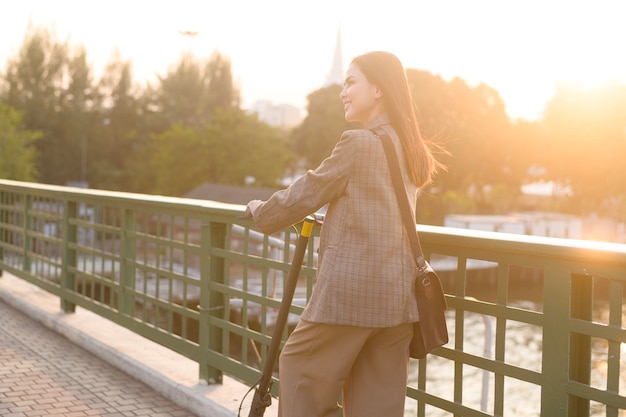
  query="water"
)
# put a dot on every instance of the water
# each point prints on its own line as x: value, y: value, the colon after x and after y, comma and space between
x: 523, y: 349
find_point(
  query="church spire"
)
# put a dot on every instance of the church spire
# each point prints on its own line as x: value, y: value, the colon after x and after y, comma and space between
x: 335, y: 75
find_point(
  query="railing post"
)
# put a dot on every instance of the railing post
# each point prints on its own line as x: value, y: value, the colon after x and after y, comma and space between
x: 213, y: 235
x: 127, y: 272
x: 580, y: 345
x: 27, y: 244
x: 555, y: 360
x: 70, y: 261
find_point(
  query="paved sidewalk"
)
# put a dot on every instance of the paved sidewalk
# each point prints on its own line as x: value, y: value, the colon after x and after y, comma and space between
x: 71, y: 365
x: 44, y: 374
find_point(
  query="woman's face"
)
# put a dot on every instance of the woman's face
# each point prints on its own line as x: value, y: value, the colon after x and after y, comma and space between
x: 361, y: 99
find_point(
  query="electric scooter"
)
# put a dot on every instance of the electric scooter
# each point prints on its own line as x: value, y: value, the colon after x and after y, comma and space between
x: 262, y: 396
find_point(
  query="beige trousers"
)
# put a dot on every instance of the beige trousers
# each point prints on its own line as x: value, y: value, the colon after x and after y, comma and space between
x: 369, y: 366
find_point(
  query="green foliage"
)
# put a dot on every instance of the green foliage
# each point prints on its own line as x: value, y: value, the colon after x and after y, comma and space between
x: 117, y: 130
x: 502, y: 198
x: 104, y: 132
x: 471, y: 123
x: 457, y: 202
x: 178, y: 159
x: 320, y: 131
x: 228, y: 148
x: 586, y: 131
x: 246, y: 147
x: 192, y: 90
x: 221, y: 91
x: 188, y: 128
x: 53, y: 89
x: 18, y: 155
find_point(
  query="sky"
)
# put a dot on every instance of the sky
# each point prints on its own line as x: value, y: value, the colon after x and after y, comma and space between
x: 282, y: 50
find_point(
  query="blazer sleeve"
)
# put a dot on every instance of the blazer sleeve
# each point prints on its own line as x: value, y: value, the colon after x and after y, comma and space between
x: 310, y: 192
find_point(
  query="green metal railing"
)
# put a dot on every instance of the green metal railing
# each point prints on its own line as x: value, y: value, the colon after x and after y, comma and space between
x: 536, y: 324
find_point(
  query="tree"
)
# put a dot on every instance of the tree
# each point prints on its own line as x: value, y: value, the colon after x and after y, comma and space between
x: 230, y: 147
x: 221, y: 91
x: 585, y: 143
x: 118, y: 128
x: 471, y: 123
x: 18, y: 154
x: 33, y: 80
x: 53, y: 89
x: 320, y: 131
x: 75, y: 117
x: 246, y: 147
x: 192, y: 90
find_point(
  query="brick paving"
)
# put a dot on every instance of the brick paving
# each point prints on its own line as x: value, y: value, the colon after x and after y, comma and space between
x: 44, y: 374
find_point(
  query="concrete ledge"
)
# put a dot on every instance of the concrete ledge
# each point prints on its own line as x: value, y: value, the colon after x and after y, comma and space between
x: 168, y: 373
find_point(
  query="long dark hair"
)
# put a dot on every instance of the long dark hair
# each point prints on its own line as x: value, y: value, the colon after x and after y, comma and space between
x: 385, y: 70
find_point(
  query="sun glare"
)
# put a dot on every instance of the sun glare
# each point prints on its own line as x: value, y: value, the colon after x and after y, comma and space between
x: 519, y: 48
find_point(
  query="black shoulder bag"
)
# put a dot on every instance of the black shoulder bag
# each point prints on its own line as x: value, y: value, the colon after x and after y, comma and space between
x: 431, y: 331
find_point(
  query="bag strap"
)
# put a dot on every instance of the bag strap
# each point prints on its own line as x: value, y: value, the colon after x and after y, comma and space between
x: 403, y: 201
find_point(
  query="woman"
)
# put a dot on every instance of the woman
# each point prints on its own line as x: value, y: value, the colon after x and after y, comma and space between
x: 354, y: 334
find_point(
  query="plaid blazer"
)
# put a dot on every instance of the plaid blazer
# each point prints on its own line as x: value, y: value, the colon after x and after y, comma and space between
x: 365, y: 275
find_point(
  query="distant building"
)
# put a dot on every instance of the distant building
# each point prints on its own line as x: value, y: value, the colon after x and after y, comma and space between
x: 231, y: 194
x: 336, y: 73
x: 547, y: 224
x: 526, y: 223
x: 278, y: 115
x: 286, y: 115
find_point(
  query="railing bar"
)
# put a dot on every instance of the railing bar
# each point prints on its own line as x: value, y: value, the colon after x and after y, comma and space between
x: 260, y: 261
x: 170, y: 249
x: 243, y: 311
x: 149, y: 269
x: 96, y: 243
x: 158, y: 258
x: 521, y: 374
x: 91, y: 267
x: 170, y: 298
x: 139, y: 237
x: 610, y: 398
x: 502, y: 301
x: 95, y: 261
x: 609, y: 332
x: 459, y: 336
x: 185, y: 260
x: 88, y: 288
x: 287, y: 258
x: 194, y: 248
x: 615, y: 319
x: 491, y: 309
x: 225, y: 298
x: 157, y: 302
x: 460, y: 285
x: 500, y: 343
x: 424, y: 397
x: 421, y: 385
x: 245, y: 338
x: 241, y: 331
x: 264, y: 278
